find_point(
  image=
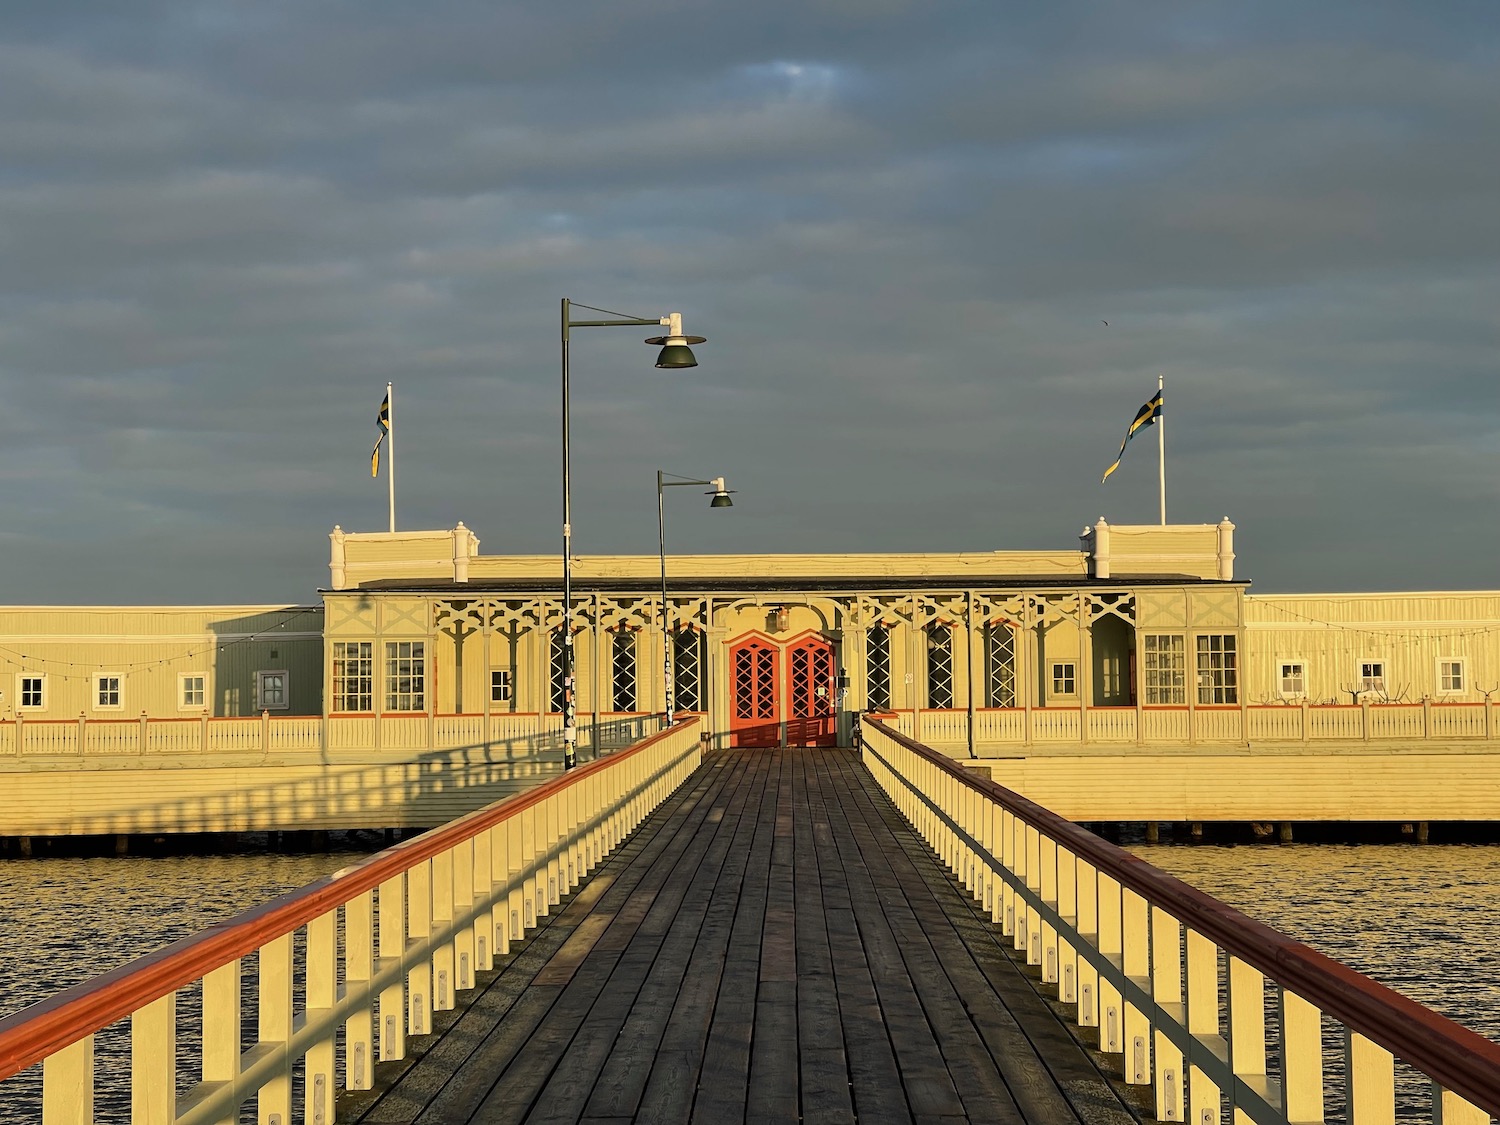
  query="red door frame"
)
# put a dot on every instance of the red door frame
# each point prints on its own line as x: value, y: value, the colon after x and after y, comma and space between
x: 755, y: 691
x: 812, y: 670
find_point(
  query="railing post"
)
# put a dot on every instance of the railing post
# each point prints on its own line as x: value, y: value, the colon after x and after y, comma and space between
x: 265, y: 732
x: 322, y: 993
x: 68, y: 1085
x: 1202, y: 1023
x: 1301, y: 1058
x: 460, y: 900
x: 392, y: 1010
x: 1136, y: 959
x: 1067, y: 911
x: 145, y: 734
x: 1450, y: 1109
x: 481, y: 887
x: 203, y: 733
x: 1306, y: 721
x: 1111, y: 1018
x: 1427, y: 717
x: 1364, y: 717
x: 83, y: 732
x: 274, y: 1001
x: 359, y: 970
x: 221, y: 1030
x: 1088, y: 933
x: 1369, y: 1081
x: 1247, y: 1032
x: 422, y: 914
x: 153, y: 1063
x: 1166, y: 990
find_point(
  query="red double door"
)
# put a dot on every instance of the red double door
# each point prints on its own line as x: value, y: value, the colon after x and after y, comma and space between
x: 771, y: 686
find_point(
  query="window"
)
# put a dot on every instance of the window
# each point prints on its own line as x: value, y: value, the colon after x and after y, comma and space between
x: 405, y: 675
x: 999, y: 664
x: 1372, y: 676
x: 1218, y: 670
x: 499, y: 687
x: 939, y: 666
x: 687, y: 670
x: 1293, y: 677
x: 622, y: 669
x: 878, y: 668
x: 33, y: 692
x: 1165, y: 659
x: 192, y: 690
x: 106, y: 693
x: 557, y: 663
x: 271, y: 691
x: 353, y: 676
x: 1450, y: 676
x: 1065, y: 679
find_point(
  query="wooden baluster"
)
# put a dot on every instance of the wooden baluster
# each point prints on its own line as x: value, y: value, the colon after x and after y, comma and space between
x: 1006, y: 852
x: 1111, y: 1014
x: 1202, y: 1023
x: 529, y: 868
x: 153, y: 1062
x: 1136, y: 958
x: 516, y: 864
x: 392, y: 1010
x: 1067, y: 912
x: 460, y: 902
x: 439, y: 904
x: 481, y: 890
x: 501, y: 888
x: 68, y: 1084
x: 274, y: 1004
x: 1369, y: 1082
x: 421, y: 917
x: 554, y: 806
x: 1166, y: 990
x: 1450, y: 1109
x: 359, y: 969
x: 1247, y: 1033
x: 1047, y: 888
x: 1088, y: 938
x: 221, y: 1030
x: 1301, y: 1058
x: 322, y: 993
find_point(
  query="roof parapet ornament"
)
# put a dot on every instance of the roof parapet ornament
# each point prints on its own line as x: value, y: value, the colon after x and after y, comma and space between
x: 336, y: 558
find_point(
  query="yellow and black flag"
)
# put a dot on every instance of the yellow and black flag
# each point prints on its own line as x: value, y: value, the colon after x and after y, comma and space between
x: 383, y: 420
x: 1144, y: 417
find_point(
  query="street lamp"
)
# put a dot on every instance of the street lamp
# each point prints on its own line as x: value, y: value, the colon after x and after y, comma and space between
x: 675, y: 353
x: 720, y: 499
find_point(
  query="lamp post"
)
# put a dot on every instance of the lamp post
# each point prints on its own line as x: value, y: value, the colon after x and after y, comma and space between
x: 675, y: 353
x: 720, y: 499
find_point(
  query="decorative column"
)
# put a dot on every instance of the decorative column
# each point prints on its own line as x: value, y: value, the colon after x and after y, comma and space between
x: 336, y: 569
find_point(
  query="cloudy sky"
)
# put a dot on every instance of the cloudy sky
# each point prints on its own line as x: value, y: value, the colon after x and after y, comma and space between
x: 224, y: 226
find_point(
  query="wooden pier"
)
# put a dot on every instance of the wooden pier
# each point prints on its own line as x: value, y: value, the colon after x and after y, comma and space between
x: 773, y: 944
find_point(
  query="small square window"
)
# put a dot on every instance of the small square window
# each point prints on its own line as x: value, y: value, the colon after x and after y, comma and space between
x: 499, y: 687
x: 1065, y: 679
x: 1450, y: 676
x: 106, y: 693
x: 1372, y: 676
x: 192, y: 691
x: 271, y: 691
x: 33, y: 692
x: 1293, y: 677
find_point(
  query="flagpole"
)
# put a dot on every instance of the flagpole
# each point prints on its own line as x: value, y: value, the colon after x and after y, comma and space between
x: 390, y: 453
x: 1161, y: 449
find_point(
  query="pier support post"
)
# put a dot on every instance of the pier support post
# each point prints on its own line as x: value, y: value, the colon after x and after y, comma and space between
x: 1153, y: 832
x: 1284, y: 832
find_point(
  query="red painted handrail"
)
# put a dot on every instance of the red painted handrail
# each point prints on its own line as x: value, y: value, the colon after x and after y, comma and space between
x: 1455, y: 1057
x: 30, y: 1035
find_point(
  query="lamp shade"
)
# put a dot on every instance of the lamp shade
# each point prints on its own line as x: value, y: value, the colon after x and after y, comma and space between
x: 721, y: 500
x: 676, y: 355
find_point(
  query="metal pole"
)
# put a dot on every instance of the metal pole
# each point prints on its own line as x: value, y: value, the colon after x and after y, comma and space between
x: 570, y: 706
x: 666, y: 637
x: 1161, y: 450
x: 390, y: 452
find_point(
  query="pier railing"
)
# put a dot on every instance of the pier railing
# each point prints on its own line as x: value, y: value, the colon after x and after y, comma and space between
x: 379, y: 946
x: 1172, y: 980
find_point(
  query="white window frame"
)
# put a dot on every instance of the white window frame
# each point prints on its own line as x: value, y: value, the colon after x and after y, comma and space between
x: 1282, y: 664
x: 1371, y: 682
x: 1445, y: 663
x: 182, y: 682
x: 21, y: 678
x: 1057, y: 677
x: 96, y: 697
x: 260, y: 691
x: 500, y: 685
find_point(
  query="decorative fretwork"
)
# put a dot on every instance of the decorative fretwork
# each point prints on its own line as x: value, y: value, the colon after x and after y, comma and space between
x: 1164, y: 656
x: 622, y: 669
x: 1000, y: 664
x: 1120, y: 603
x: 353, y: 676
x: 939, y: 665
x: 687, y: 669
x: 405, y: 675
x: 1218, y: 672
x: 755, y: 682
x: 557, y: 671
x: 878, y: 667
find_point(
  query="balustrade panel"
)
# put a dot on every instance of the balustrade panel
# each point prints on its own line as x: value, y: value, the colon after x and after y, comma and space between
x: 1055, y: 724
x: 1112, y: 724
x: 1275, y: 724
x: 1164, y: 724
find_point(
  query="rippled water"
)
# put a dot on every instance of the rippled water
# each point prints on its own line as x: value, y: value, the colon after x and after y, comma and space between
x: 1424, y: 920
x: 65, y: 920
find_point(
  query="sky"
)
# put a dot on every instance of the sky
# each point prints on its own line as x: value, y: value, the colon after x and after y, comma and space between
x: 942, y: 253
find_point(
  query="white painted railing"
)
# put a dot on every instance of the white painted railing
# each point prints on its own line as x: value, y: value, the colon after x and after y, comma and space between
x: 1171, y: 981
x: 418, y: 921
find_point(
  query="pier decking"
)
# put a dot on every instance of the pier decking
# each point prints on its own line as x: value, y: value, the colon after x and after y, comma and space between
x: 773, y: 944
